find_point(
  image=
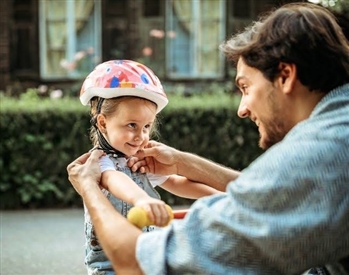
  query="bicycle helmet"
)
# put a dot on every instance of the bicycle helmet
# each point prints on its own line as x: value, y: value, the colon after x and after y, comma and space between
x: 116, y: 78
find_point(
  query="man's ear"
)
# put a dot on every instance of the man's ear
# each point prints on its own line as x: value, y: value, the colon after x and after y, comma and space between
x: 287, y: 77
x: 101, y: 123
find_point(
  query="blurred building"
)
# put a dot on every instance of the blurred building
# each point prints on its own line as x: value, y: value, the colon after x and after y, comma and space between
x: 60, y: 41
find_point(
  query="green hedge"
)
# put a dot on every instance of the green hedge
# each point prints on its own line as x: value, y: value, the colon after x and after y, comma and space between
x: 40, y: 137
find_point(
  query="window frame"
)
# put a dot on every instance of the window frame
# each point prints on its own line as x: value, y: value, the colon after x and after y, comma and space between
x: 194, y: 45
x: 71, y: 44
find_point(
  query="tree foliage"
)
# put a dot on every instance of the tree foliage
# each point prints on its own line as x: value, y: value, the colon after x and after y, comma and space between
x: 338, y: 6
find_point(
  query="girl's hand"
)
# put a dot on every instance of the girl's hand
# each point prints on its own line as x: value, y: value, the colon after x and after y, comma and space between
x: 156, y: 210
x: 139, y: 217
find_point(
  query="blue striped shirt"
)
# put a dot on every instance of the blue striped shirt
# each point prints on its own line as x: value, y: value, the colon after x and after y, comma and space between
x: 287, y: 212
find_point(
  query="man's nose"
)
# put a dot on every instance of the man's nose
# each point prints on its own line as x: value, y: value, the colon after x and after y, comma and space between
x: 243, y: 111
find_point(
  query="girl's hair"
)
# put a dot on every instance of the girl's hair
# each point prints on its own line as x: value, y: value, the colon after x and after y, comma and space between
x: 303, y: 34
x: 108, y: 107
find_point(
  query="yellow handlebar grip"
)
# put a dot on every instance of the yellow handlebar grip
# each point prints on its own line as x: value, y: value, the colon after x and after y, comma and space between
x: 139, y: 217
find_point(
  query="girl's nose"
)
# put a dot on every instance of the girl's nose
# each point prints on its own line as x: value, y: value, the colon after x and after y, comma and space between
x: 139, y: 136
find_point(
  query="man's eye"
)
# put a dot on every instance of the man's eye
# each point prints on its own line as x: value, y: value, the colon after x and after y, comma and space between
x: 243, y: 89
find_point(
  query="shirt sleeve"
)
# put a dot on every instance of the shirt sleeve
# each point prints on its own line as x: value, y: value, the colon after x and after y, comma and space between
x: 287, y: 212
x: 156, y: 180
x: 106, y: 164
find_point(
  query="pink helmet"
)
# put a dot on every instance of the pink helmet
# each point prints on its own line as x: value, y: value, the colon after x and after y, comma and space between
x: 117, y: 78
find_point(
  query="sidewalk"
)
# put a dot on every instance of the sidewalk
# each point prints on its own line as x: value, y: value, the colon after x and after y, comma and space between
x: 42, y: 242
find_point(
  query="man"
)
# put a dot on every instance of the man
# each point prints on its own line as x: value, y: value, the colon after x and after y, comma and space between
x: 288, y: 211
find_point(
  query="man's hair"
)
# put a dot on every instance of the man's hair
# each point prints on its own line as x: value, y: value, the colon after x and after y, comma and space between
x: 303, y: 34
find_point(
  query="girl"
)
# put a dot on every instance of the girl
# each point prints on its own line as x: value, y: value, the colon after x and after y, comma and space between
x: 125, y: 97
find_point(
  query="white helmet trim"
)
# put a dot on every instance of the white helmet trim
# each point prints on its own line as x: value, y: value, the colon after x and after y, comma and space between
x: 160, y: 100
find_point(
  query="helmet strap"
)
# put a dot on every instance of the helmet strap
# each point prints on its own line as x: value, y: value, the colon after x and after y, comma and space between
x: 99, y: 104
x: 103, y: 143
x: 106, y: 147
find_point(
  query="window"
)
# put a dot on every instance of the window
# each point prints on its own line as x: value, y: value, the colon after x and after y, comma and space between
x: 69, y: 38
x: 194, y: 31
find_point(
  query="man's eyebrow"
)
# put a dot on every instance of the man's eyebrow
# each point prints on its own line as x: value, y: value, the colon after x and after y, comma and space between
x: 237, y: 79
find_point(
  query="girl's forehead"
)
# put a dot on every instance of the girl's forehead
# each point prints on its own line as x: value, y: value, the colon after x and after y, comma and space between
x: 135, y: 102
x: 136, y: 109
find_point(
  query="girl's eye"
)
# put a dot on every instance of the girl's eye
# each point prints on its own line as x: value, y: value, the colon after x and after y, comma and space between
x: 132, y: 125
x: 147, y: 126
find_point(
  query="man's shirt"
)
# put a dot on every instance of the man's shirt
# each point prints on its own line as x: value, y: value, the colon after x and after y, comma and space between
x: 287, y: 212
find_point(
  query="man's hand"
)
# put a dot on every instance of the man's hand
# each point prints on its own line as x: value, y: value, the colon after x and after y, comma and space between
x: 85, y: 175
x: 160, y: 159
x: 156, y: 158
x: 85, y: 170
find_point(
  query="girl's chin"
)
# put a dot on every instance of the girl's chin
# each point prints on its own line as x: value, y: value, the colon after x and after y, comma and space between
x: 131, y: 152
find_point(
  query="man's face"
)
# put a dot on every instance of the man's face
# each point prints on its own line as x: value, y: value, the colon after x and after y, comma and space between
x: 262, y: 101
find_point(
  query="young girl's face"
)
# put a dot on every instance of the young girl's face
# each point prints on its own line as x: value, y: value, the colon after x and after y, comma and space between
x: 128, y: 128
